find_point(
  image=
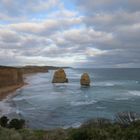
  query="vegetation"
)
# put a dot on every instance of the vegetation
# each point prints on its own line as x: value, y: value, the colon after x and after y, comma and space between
x: 97, y: 129
x: 3, y: 121
x: 14, y: 123
x: 17, y: 124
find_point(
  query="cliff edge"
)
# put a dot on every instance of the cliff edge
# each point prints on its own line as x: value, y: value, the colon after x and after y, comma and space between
x: 10, y: 79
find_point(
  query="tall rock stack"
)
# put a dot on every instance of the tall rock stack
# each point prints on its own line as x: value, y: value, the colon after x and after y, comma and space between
x: 85, y: 80
x: 59, y: 76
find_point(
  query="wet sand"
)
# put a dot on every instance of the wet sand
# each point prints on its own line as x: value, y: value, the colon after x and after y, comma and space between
x: 5, y: 91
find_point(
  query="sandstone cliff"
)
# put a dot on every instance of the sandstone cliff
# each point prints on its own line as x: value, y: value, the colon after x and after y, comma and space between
x: 10, y: 79
x: 33, y: 69
x: 10, y: 76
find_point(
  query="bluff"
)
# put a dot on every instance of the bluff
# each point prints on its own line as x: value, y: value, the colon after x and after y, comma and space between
x: 33, y: 69
x: 10, y: 76
x: 10, y: 79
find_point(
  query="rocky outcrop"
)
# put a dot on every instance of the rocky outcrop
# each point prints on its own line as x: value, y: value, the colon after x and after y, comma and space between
x: 59, y: 76
x: 85, y: 80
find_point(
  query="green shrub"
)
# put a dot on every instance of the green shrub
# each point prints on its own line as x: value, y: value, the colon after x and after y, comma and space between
x: 17, y: 124
x: 79, y: 134
x: 3, y: 121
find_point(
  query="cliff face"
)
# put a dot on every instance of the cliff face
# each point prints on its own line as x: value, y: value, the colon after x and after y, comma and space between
x: 10, y: 76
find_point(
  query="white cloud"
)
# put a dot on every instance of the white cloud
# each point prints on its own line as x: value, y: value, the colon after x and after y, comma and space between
x: 103, y: 33
x: 94, y: 52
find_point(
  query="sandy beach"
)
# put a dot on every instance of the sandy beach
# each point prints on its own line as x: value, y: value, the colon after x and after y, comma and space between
x: 4, y: 92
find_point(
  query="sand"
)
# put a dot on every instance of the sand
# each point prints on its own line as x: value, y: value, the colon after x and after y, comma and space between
x: 5, y: 91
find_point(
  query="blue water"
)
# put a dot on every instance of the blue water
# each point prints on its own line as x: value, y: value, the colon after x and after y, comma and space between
x: 46, y: 106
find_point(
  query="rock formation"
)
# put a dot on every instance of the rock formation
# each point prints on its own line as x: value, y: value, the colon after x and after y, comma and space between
x: 10, y: 80
x: 59, y: 76
x: 85, y: 80
x: 10, y: 76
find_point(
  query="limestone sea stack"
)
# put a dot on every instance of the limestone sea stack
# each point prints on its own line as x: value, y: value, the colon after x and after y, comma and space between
x: 59, y: 76
x: 85, y: 80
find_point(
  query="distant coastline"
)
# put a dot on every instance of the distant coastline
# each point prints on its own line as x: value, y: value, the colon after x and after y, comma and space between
x: 12, y: 78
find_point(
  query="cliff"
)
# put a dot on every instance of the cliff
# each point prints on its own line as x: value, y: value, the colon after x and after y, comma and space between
x: 10, y: 76
x: 10, y: 79
x: 34, y: 69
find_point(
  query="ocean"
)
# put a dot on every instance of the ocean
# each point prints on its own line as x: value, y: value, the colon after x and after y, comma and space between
x: 48, y: 106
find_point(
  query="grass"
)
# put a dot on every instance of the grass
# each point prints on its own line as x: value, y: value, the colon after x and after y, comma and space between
x: 100, y: 129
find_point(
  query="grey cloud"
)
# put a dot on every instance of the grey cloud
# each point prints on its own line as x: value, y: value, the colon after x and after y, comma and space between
x: 46, y: 27
x: 103, y: 33
x: 111, y: 21
x: 92, y: 6
x: 8, y: 36
x: 129, y: 34
x: 119, y: 18
x: 115, y: 58
x: 83, y: 37
x: 13, y: 8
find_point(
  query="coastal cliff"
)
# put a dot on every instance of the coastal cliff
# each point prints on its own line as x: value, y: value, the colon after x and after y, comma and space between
x: 33, y: 69
x: 10, y: 76
x: 10, y: 79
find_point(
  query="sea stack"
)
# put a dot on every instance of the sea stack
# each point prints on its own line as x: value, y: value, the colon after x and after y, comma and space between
x: 85, y: 80
x: 60, y: 77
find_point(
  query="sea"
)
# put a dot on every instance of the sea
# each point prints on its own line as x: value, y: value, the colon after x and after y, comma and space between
x: 45, y: 105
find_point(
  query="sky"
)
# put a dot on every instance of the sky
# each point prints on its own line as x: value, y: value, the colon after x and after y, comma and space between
x: 76, y: 33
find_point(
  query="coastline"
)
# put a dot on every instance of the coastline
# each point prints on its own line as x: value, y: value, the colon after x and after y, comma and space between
x: 12, y: 78
x: 5, y: 91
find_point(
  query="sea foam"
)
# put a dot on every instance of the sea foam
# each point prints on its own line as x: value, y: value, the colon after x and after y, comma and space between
x: 135, y: 92
x: 81, y: 103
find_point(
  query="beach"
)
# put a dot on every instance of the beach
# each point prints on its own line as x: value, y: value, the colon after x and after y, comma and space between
x: 4, y: 92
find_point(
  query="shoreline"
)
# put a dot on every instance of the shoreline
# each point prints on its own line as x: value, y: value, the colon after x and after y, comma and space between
x: 5, y: 91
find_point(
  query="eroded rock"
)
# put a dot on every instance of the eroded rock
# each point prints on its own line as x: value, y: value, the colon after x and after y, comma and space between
x: 85, y: 79
x: 59, y: 76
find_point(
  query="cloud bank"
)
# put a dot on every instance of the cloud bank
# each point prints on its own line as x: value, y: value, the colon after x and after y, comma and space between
x: 86, y: 33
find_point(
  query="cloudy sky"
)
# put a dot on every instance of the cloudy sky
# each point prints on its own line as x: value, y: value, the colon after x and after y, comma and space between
x: 78, y: 33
